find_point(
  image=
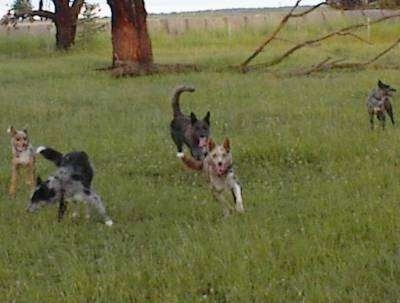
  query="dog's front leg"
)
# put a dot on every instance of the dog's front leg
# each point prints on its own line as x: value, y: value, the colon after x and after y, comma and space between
x: 237, y: 192
x: 31, y: 174
x: 219, y: 196
x: 62, y: 207
x: 14, y: 179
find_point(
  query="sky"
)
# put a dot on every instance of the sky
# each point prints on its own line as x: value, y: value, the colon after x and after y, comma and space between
x: 167, y: 6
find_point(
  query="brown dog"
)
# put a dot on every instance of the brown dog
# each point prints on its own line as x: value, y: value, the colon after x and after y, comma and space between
x: 217, y: 167
x: 23, y: 155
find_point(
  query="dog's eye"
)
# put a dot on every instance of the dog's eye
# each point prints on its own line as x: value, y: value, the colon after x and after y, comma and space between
x: 224, y: 155
x: 214, y: 156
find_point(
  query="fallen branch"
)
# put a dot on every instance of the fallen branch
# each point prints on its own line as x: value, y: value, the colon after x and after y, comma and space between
x: 271, y: 37
x: 326, y: 65
x: 340, y: 32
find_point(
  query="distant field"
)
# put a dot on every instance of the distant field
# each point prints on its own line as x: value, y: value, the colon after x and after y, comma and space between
x: 321, y: 190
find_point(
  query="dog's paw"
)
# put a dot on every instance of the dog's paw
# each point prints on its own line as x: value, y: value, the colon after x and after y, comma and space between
x: 180, y: 155
x: 109, y: 222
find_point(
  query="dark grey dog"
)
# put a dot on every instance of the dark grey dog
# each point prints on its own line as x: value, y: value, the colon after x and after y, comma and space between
x: 378, y: 103
x: 189, y: 130
x: 70, y: 182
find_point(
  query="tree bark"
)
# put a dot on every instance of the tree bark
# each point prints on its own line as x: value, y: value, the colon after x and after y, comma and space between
x: 130, y: 38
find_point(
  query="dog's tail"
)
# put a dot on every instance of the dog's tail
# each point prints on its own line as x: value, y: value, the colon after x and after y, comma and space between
x: 175, y: 98
x: 50, y: 154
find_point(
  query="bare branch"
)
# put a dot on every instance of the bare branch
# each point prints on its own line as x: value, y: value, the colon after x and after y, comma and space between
x: 41, y: 13
x: 77, y: 6
x: 326, y: 65
x: 340, y: 32
x: 355, y: 36
x: 302, y: 14
x: 271, y: 37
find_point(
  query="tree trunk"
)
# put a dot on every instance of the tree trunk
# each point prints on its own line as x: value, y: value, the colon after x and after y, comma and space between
x: 65, y: 32
x: 130, y: 38
x: 65, y: 20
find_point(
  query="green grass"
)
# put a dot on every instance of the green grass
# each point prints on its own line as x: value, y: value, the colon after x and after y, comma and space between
x: 320, y: 189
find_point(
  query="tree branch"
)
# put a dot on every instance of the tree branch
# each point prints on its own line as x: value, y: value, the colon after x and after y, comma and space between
x: 271, y: 37
x: 340, y: 32
x: 41, y: 13
x: 325, y: 65
x: 77, y: 6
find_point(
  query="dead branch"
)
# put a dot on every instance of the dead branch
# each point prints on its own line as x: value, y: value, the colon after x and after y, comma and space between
x: 355, y: 36
x: 271, y: 37
x: 326, y: 65
x: 339, y: 32
x: 39, y: 13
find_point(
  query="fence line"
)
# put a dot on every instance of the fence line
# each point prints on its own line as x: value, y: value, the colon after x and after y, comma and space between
x: 181, y: 23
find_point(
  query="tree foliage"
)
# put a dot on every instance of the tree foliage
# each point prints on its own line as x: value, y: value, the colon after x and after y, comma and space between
x: 357, y: 4
x: 22, y: 7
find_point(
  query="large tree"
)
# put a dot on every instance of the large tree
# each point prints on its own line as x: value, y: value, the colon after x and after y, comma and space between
x: 65, y: 17
x: 130, y: 38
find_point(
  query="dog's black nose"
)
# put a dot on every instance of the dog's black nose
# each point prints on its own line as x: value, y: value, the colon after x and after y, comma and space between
x: 219, y: 163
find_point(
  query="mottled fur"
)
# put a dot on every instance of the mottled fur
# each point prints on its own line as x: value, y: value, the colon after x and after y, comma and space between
x: 378, y: 103
x: 70, y: 182
x: 23, y: 156
x: 217, y: 167
x: 189, y: 130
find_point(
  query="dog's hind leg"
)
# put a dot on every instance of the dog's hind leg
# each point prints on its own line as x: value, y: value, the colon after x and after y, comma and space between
x: 95, y: 201
x: 382, y: 118
x: 371, y: 120
x: 390, y: 114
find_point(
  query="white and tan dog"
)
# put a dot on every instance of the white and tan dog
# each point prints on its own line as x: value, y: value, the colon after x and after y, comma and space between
x: 23, y: 155
x: 217, y: 167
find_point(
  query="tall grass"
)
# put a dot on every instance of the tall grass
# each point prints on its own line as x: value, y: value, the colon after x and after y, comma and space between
x: 320, y: 188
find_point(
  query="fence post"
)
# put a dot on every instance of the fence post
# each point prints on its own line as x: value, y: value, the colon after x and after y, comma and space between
x: 187, y: 27
x: 165, y: 25
x: 228, y: 27
x: 205, y: 24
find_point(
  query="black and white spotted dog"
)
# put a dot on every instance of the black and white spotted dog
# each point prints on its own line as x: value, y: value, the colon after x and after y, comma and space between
x: 70, y: 182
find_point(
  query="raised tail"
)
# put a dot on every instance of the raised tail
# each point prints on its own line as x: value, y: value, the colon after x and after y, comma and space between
x: 50, y: 154
x: 175, y: 98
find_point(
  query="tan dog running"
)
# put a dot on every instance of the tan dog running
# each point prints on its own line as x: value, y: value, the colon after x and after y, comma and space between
x: 217, y: 166
x: 23, y: 155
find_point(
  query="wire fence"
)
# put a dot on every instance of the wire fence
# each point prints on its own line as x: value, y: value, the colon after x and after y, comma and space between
x: 178, y: 24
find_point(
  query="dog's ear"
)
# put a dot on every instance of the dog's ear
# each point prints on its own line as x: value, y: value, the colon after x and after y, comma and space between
x: 38, y: 180
x: 207, y: 118
x: 382, y: 85
x: 226, y: 145
x: 211, y: 144
x: 11, y: 130
x: 25, y: 129
x: 193, y: 118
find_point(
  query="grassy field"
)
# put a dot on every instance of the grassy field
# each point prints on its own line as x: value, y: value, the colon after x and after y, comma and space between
x: 321, y: 190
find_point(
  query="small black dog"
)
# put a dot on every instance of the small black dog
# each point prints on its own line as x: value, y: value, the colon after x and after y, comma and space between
x: 70, y: 182
x: 189, y: 130
x: 378, y: 103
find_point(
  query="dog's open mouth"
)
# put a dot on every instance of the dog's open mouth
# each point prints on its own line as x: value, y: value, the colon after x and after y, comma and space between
x: 202, y: 142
